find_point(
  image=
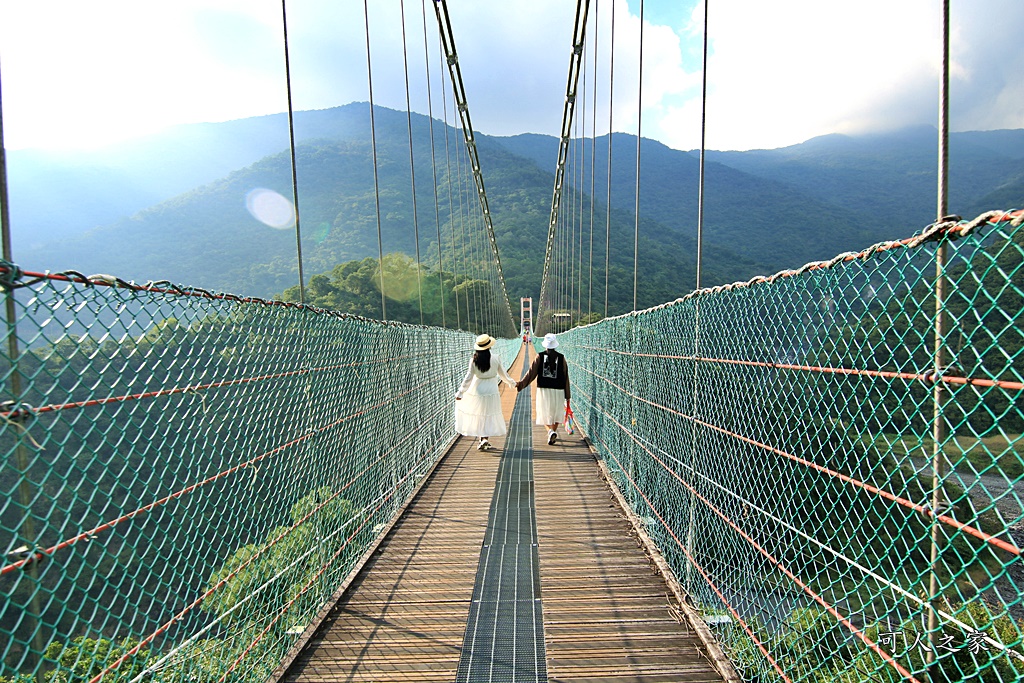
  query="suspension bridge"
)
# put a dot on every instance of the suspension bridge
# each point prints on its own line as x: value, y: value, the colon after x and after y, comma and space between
x: 810, y: 476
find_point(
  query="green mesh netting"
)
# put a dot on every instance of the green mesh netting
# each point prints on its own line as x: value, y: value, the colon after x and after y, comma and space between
x: 778, y: 440
x: 188, y: 478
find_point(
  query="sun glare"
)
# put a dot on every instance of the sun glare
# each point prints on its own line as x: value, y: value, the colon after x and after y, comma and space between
x: 270, y: 208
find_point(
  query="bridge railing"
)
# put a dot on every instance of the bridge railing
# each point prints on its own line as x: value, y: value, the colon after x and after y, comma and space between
x: 838, y: 488
x: 188, y: 476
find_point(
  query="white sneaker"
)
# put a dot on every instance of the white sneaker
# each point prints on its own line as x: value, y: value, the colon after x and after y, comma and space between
x: 484, y: 445
x: 552, y: 438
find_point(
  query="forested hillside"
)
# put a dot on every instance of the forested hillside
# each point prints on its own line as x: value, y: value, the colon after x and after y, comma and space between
x: 207, y: 238
x: 765, y: 210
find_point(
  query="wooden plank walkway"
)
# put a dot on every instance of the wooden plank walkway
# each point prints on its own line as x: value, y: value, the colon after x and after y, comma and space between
x: 608, y: 614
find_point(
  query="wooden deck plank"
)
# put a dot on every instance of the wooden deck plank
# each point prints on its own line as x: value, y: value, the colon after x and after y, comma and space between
x: 607, y: 612
x: 404, y: 617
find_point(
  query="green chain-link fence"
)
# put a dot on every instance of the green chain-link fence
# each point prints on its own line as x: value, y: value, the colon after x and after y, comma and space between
x: 778, y: 438
x: 189, y: 477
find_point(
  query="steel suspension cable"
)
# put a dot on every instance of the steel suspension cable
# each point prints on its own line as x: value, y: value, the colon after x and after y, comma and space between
x: 469, y: 224
x: 448, y: 182
x: 703, y: 130
x: 943, y: 171
x: 570, y: 233
x: 939, y: 394
x: 582, y: 126
x: 295, y: 181
x: 464, y: 251
x: 562, y: 257
x: 5, y: 212
x: 580, y: 213
x: 570, y: 248
x: 567, y: 227
x: 291, y: 149
x: 490, y: 278
x: 608, y: 196
x: 694, y: 433
x: 568, y: 240
x: 412, y: 162
x: 468, y: 243
x: 593, y: 162
x: 639, y: 125
x: 458, y: 90
x: 433, y: 163
x: 459, y: 226
x: 485, y: 273
x: 373, y: 146
x: 568, y: 110
x: 479, y: 257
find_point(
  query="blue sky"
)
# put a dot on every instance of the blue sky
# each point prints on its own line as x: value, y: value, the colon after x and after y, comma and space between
x: 780, y: 72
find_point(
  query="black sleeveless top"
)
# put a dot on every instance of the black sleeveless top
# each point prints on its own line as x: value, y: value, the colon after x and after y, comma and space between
x: 548, y: 378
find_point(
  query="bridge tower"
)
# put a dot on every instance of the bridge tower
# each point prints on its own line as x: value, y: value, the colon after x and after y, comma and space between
x: 526, y: 316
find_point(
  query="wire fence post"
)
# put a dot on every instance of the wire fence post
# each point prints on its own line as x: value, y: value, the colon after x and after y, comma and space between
x: 696, y: 301
x: 939, y: 432
x: 291, y: 150
x: 22, y: 463
x: 939, y: 427
x: 21, y: 457
x: 703, y: 130
x: 633, y: 426
x: 691, y: 513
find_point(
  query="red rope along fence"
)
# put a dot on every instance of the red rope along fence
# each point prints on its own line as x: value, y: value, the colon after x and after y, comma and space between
x: 777, y: 437
x: 190, y: 475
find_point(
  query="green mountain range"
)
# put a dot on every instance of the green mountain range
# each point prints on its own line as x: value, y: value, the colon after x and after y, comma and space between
x: 174, y: 206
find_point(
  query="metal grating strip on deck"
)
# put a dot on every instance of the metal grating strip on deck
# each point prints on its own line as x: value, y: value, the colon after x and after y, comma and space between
x: 607, y: 614
x: 505, y: 630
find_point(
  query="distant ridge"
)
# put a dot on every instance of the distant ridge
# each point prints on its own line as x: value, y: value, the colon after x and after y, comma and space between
x: 171, y: 205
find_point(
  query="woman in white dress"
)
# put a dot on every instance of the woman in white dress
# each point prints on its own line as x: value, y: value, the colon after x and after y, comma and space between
x: 552, y: 374
x: 478, y: 408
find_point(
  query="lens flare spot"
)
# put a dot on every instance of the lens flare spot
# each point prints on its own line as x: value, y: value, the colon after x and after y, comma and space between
x: 270, y: 208
x: 322, y: 232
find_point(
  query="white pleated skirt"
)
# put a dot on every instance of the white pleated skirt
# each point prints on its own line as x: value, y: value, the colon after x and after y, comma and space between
x: 479, y: 411
x: 550, y: 406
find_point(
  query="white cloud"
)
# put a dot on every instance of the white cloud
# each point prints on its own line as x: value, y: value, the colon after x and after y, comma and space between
x: 86, y: 73
x: 779, y: 72
x: 987, y: 85
x: 783, y: 72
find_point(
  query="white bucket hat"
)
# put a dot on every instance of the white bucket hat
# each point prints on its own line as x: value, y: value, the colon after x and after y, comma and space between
x: 550, y: 341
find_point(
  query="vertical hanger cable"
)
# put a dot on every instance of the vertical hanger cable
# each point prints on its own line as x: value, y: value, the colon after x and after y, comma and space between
x: 608, y: 196
x: 291, y: 150
x: 376, y: 184
x: 433, y: 165
x: 412, y: 162
x: 639, y: 124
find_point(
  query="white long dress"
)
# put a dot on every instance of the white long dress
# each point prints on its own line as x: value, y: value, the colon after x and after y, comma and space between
x: 550, y: 406
x: 479, y: 412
